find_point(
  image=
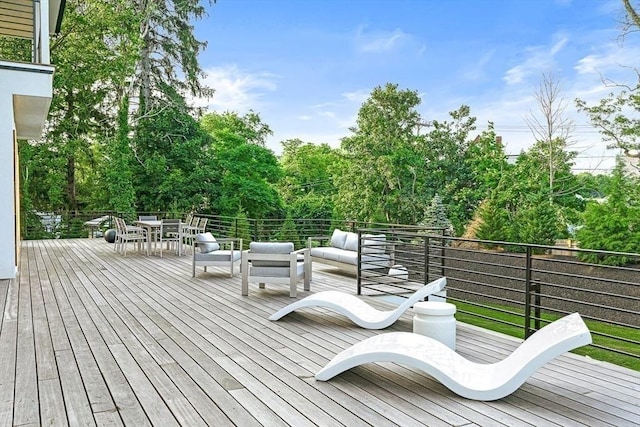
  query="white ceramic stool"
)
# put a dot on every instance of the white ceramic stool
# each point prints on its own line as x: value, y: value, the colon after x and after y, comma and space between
x: 436, y: 319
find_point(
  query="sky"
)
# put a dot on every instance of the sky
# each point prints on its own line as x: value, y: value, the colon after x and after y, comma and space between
x: 306, y: 66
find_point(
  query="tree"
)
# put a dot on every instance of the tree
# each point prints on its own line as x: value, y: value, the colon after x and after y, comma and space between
x: 435, y: 217
x: 618, y: 118
x: 447, y: 169
x: 94, y: 54
x: 250, y: 126
x: 551, y: 127
x: 175, y: 163
x: 307, y: 185
x: 612, y: 224
x: 494, y: 221
x: 116, y: 189
x: 379, y: 179
x: 618, y: 115
x: 520, y: 210
x: 168, y: 44
x: 249, y: 175
x: 289, y: 233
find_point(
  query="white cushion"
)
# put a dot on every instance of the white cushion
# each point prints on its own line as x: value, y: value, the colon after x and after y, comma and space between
x: 207, y: 242
x: 270, y: 248
x: 328, y: 252
x: 373, y: 243
x: 218, y: 256
x: 338, y: 238
x: 348, y: 257
x: 274, y: 271
x: 351, y: 243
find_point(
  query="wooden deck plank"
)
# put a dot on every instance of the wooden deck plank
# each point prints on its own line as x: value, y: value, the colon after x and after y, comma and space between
x: 26, y: 406
x: 107, y: 389
x: 141, y: 342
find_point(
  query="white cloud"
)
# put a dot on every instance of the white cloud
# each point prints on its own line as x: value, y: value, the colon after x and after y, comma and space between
x: 538, y: 59
x: 379, y: 41
x: 476, y: 70
x: 610, y: 58
x: 358, y: 96
x: 304, y: 118
x: 329, y: 114
x: 236, y: 89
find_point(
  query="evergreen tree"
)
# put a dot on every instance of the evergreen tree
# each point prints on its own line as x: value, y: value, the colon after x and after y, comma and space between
x: 613, y: 225
x: 118, y: 193
x: 168, y: 50
x: 435, y: 217
x: 289, y: 233
x: 242, y: 229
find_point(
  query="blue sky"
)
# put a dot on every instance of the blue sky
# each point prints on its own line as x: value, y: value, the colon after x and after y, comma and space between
x: 307, y: 65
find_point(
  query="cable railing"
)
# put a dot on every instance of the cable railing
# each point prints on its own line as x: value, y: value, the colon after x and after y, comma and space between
x: 519, y: 285
x: 516, y: 285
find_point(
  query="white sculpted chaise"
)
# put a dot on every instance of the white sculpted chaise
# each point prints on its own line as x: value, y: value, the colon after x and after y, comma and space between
x: 472, y: 380
x: 361, y: 313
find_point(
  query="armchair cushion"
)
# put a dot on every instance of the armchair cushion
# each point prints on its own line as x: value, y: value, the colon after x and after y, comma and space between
x: 219, y: 256
x: 276, y: 271
x: 207, y: 242
x: 270, y: 248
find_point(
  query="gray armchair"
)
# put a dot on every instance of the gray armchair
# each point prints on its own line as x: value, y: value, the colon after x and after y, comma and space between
x: 275, y: 262
x: 210, y: 252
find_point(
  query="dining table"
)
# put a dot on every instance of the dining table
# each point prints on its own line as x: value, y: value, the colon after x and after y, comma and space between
x: 152, y: 226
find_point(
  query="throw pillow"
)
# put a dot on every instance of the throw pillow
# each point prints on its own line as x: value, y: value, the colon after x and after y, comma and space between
x: 207, y: 242
x: 338, y: 238
x: 351, y: 243
x: 373, y: 243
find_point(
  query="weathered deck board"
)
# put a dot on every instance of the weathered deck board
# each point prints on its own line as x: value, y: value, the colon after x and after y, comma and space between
x: 91, y: 337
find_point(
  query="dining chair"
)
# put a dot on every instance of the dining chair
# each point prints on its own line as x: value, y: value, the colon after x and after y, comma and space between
x: 128, y: 233
x: 170, y: 232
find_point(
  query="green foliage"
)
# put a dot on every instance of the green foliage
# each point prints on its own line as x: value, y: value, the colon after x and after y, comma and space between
x: 529, y: 207
x: 535, y: 223
x: 435, y: 216
x: 613, y: 225
x: 249, y: 174
x: 379, y: 180
x: 495, y: 223
x: 617, y: 117
x: 176, y: 166
x: 117, y: 192
x: 94, y: 55
x: 307, y: 186
x: 289, y: 233
x: 242, y: 229
x: 15, y: 49
x: 446, y: 169
x: 250, y: 126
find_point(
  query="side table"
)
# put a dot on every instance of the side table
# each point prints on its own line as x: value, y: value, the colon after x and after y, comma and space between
x: 436, y: 319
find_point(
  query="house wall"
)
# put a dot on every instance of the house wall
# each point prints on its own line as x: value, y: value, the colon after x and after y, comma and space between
x: 25, y: 96
x: 8, y: 242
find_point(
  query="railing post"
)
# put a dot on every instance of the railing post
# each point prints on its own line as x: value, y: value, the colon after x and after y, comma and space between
x: 442, y: 254
x: 358, y: 276
x: 426, y: 260
x: 527, y: 294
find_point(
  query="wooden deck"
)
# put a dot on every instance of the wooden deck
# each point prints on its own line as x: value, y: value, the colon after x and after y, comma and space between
x: 89, y: 337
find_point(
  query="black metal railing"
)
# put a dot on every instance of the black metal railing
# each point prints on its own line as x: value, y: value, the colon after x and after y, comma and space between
x: 514, y: 284
x: 529, y: 284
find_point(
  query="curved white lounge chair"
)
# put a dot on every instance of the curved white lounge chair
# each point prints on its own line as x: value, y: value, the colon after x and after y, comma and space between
x: 361, y: 313
x: 468, y: 379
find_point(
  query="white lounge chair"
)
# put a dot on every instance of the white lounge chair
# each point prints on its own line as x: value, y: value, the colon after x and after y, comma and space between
x: 472, y: 380
x: 361, y: 313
